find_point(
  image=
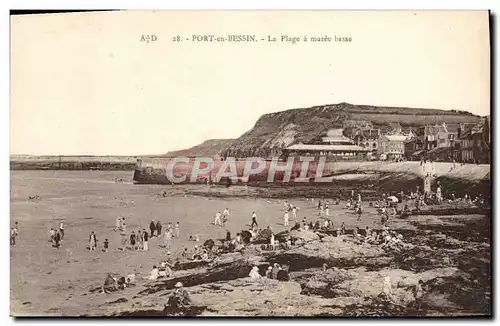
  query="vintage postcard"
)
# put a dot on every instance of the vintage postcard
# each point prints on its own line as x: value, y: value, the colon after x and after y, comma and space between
x: 250, y: 163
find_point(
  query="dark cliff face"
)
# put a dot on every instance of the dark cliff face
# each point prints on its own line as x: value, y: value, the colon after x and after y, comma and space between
x: 273, y: 131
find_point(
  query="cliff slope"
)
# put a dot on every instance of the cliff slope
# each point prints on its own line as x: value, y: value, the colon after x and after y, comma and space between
x: 209, y: 148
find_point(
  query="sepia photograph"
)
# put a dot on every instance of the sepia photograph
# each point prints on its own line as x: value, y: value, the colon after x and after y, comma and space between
x: 183, y: 163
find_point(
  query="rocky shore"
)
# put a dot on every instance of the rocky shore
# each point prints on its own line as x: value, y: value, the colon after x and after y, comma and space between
x: 335, y: 276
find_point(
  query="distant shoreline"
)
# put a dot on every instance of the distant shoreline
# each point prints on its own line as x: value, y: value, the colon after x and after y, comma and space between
x: 115, y: 163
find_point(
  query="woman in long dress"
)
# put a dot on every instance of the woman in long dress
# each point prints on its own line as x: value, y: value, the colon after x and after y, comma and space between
x: 92, y: 241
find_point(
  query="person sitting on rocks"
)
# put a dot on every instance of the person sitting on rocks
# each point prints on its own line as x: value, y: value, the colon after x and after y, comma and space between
x: 166, y: 265
x: 110, y: 284
x: 246, y: 236
x: 296, y: 226
x: 282, y: 275
x: 121, y: 283
x: 269, y: 272
x: 154, y: 273
x: 254, y: 273
x: 204, y: 255
x: 130, y: 280
x: 387, y: 238
x: 179, y: 298
x: 197, y: 253
x: 209, y: 244
x: 274, y: 272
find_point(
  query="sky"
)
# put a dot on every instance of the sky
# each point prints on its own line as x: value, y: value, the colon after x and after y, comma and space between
x: 85, y: 84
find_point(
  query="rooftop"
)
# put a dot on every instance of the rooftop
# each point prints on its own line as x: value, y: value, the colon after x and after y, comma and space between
x: 396, y: 137
x: 336, y: 139
x: 326, y: 148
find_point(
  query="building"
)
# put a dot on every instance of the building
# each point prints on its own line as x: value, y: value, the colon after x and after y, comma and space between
x: 336, y: 137
x: 412, y: 150
x: 395, y: 128
x: 368, y: 139
x: 428, y: 136
x: 392, y: 146
x: 409, y: 133
x: 341, y: 152
x: 475, y: 143
x: 334, y: 145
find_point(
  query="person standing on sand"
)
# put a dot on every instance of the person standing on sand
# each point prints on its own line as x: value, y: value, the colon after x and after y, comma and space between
x: 294, y: 212
x: 343, y: 228
x: 254, y: 220
x: 286, y: 218
x: 327, y: 211
x: 158, y: 228
x: 61, y: 230
x: 168, y: 238
x: 124, y: 226
x: 52, y: 233
x: 57, y: 239
x: 132, y: 240
x: 177, y: 230
x: 13, y: 235
x: 152, y: 228
x: 139, y: 240
x: 118, y: 224
x: 217, y: 220
x: 92, y: 241
x: 359, y: 211
x: 225, y: 215
x: 16, y: 226
x: 145, y: 238
x: 106, y: 245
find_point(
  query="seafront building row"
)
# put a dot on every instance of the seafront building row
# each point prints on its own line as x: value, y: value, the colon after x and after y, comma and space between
x: 461, y: 142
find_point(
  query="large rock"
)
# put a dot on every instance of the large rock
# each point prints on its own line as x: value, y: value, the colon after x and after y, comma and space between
x: 304, y: 235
